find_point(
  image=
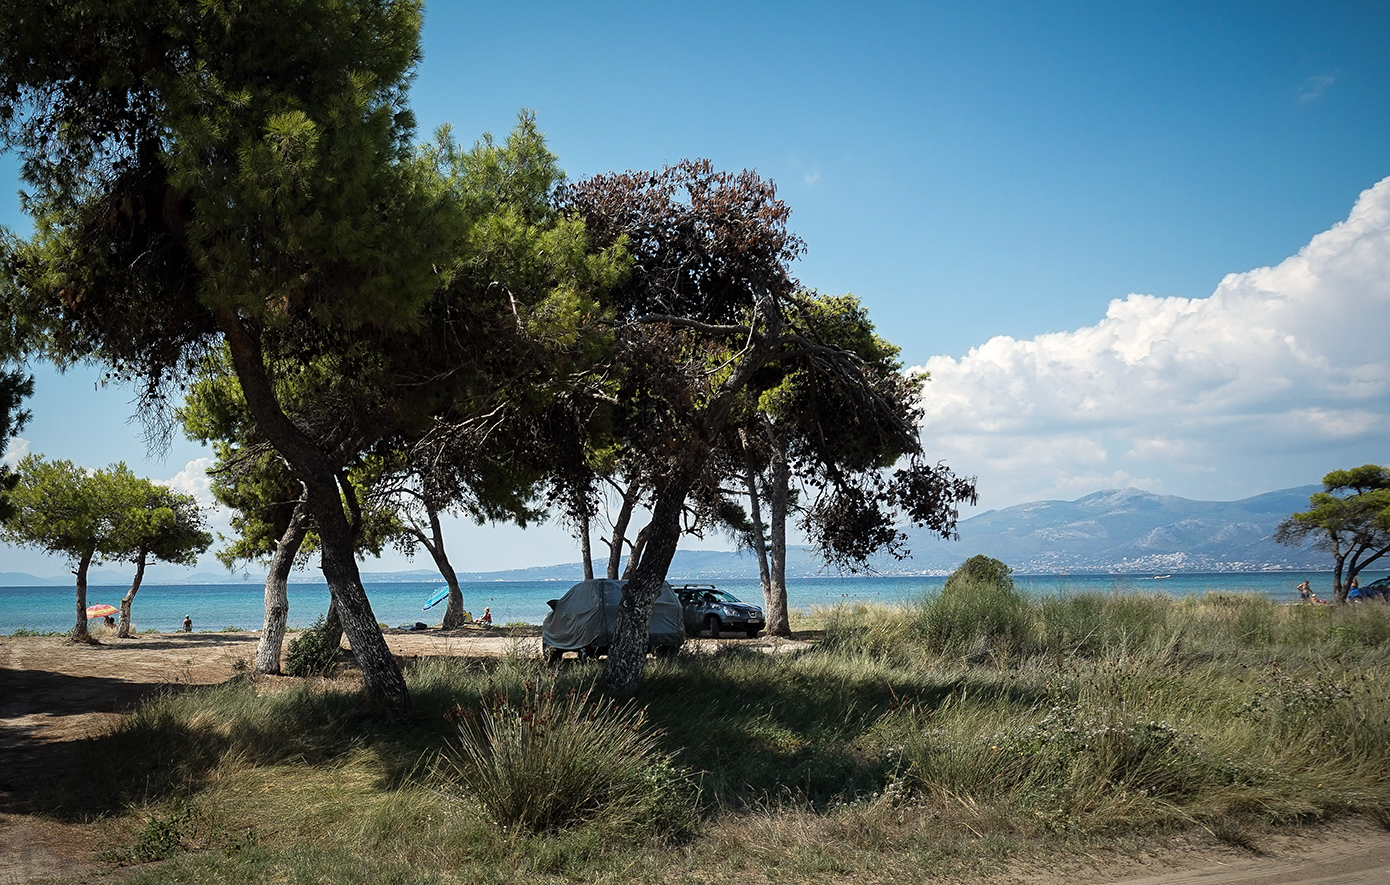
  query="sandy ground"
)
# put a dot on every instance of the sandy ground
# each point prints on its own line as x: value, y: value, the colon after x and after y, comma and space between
x: 54, y: 695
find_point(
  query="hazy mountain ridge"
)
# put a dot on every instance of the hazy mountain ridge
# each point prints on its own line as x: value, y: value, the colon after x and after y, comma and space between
x: 1117, y: 530
x: 1128, y: 530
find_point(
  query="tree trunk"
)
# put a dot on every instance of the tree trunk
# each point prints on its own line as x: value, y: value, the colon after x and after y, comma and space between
x: 379, y: 667
x: 79, y: 630
x: 453, y: 612
x: 434, y: 544
x: 585, y: 547
x: 615, y: 547
x: 277, y: 597
x: 1358, y: 565
x: 333, y: 623
x: 634, y: 559
x: 779, y: 479
x: 755, y: 513
x: 123, y: 624
x: 1339, y: 591
x: 627, y: 652
x: 311, y: 465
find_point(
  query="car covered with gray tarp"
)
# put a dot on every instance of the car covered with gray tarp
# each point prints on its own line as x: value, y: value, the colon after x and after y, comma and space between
x: 586, y: 617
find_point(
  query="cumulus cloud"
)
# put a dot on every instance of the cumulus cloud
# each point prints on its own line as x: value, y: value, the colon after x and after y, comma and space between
x: 193, y: 480
x: 1282, y: 374
x: 15, y: 451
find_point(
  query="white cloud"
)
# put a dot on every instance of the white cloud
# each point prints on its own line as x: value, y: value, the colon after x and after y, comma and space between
x: 193, y: 480
x: 1313, y: 88
x: 1282, y: 374
x: 15, y: 451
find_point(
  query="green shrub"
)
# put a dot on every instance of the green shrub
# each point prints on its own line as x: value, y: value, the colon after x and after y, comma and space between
x: 549, y: 761
x: 979, y: 614
x: 311, y: 653
x: 978, y: 570
x: 181, y: 830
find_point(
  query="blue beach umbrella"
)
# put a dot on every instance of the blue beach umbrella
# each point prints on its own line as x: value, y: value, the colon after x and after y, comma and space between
x: 440, y: 595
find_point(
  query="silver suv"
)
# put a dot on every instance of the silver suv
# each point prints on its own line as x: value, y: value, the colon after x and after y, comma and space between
x: 706, y: 608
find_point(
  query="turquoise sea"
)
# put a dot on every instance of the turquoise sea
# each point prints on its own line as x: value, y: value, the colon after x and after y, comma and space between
x: 162, y: 607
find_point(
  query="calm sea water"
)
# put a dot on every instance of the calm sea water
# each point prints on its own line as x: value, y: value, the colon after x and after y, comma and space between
x: 162, y: 607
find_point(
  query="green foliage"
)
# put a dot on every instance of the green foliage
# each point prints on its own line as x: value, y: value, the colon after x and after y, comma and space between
x: 553, y: 759
x: 14, y: 386
x: 182, y: 829
x: 979, y: 570
x: 978, y: 614
x: 1092, y: 624
x: 97, y: 515
x: 1065, y: 769
x: 314, y: 652
x: 62, y: 508
x: 108, y: 513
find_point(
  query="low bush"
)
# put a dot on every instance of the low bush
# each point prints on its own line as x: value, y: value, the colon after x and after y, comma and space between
x: 978, y: 620
x: 312, y: 653
x: 553, y: 759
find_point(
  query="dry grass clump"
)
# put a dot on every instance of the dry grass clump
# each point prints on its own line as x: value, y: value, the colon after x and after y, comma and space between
x: 551, y: 759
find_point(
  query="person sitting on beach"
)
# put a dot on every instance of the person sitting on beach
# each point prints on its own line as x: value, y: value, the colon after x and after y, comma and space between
x: 486, y: 619
x: 109, y: 621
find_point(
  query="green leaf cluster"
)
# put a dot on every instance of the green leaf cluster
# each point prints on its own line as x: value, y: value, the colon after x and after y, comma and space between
x: 106, y: 514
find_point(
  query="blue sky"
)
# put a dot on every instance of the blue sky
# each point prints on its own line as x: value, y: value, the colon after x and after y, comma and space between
x: 988, y: 178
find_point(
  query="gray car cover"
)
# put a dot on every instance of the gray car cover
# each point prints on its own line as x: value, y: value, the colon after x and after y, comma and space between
x: 587, y: 615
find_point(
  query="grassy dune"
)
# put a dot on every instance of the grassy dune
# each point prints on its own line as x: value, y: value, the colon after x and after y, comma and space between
x: 938, y: 738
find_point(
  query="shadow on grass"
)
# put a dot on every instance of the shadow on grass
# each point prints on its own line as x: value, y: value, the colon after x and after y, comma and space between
x: 757, y: 730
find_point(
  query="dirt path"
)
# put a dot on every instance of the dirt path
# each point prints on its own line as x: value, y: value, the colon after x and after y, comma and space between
x: 53, y: 696
x: 1346, y: 853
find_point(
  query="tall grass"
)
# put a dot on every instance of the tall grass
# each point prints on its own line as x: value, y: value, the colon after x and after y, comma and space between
x: 551, y: 759
x: 939, y: 735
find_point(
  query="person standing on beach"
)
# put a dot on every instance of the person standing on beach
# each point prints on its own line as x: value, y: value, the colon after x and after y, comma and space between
x: 187, y: 624
x: 1305, y: 592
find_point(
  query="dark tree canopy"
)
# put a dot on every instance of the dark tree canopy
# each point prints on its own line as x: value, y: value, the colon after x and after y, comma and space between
x: 710, y: 320
x: 705, y: 244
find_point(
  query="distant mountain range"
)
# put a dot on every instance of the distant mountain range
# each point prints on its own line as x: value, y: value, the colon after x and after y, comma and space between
x: 1123, y: 530
x: 1129, y: 531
